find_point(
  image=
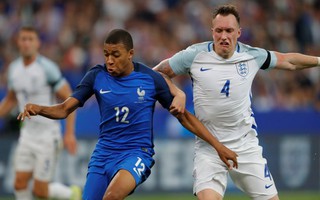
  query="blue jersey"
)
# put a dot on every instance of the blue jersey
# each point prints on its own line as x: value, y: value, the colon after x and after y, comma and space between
x: 126, y: 106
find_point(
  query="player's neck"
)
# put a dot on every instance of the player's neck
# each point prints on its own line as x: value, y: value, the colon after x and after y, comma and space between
x: 27, y: 60
x: 129, y: 70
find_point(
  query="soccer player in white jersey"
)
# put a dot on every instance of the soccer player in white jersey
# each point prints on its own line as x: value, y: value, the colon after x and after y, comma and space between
x: 34, y: 78
x: 222, y: 71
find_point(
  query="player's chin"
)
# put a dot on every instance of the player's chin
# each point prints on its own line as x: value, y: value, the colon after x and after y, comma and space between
x: 113, y: 72
x: 225, y: 48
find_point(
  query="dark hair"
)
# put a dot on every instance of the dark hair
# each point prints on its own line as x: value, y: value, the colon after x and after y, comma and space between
x: 30, y: 29
x: 225, y: 10
x: 117, y: 36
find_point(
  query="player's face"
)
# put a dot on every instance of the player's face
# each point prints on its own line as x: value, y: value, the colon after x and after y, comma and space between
x: 28, y: 43
x: 225, y: 33
x: 118, y: 59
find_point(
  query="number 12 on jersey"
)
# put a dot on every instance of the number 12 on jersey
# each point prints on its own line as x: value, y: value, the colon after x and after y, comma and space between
x: 125, y: 111
x: 225, y: 89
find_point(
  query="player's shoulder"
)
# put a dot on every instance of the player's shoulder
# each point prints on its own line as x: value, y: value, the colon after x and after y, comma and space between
x: 15, y: 63
x: 202, y: 46
x: 246, y: 48
x: 147, y: 71
x: 15, y: 66
x: 192, y: 51
x: 46, y: 62
x: 264, y: 57
x: 142, y: 68
x: 255, y: 52
x: 98, y: 68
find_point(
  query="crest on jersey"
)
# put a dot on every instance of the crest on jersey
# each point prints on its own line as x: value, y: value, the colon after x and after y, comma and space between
x: 141, y: 93
x: 242, y: 69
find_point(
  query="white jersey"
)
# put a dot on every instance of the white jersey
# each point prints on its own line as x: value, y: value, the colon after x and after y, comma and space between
x: 36, y: 83
x: 222, y: 88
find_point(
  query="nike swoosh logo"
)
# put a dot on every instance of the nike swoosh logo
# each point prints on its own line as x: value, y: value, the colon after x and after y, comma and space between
x: 104, y: 91
x: 204, y: 69
x: 267, y: 186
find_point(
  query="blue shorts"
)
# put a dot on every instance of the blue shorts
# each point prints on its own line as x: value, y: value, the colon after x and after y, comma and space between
x: 99, y: 176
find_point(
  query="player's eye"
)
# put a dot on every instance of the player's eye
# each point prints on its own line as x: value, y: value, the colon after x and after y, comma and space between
x: 116, y: 55
x: 229, y: 30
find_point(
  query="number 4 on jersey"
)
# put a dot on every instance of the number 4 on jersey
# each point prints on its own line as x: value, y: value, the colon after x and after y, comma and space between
x: 226, y: 88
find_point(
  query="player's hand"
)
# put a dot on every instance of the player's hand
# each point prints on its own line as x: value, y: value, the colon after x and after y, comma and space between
x: 70, y: 143
x: 29, y: 110
x: 178, y: 104
x: 226, y: 155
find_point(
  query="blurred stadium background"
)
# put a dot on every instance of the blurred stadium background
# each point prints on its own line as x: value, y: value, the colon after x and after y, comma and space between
x: 286, y: 104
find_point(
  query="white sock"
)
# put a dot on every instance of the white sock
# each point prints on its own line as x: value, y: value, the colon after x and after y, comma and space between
x: 23, y: 194
x: 59, y: 191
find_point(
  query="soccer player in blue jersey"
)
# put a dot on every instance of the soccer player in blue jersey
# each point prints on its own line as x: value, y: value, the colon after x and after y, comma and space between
x: 126, y: 92
x: 222, y: 71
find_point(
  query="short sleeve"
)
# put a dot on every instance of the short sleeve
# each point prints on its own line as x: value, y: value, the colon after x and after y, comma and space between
x: 268, y: 61
x: 182, y: 61
x: 85, y: 88
x: 53, y: 73
x: 274, y: 59
x: 163, y: 94
x: 264, y: 58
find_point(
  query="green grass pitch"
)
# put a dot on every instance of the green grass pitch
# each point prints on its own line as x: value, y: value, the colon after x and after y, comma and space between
x: 283, y: 196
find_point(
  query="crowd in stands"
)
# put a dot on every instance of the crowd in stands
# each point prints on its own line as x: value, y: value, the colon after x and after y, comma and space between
x: 73, y: 32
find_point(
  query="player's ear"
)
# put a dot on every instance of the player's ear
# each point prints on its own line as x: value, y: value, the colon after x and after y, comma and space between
x: 239, y: 32
x: 131, y: 52
x: 38, y: 44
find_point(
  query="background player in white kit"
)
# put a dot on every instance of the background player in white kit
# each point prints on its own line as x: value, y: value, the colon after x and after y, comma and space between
x: 34, y: 78
x: 222, y: 71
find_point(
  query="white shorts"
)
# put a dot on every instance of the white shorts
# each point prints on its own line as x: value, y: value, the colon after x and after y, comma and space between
x: 252, y: 176
x: 39, y: 153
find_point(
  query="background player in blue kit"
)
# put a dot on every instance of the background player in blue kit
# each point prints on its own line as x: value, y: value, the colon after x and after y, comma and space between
x: 126, y: 93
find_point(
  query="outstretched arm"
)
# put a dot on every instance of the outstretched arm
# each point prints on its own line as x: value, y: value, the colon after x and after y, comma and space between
x: 191, y: 123
x: 295, y: 61
x: 58, y: 111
